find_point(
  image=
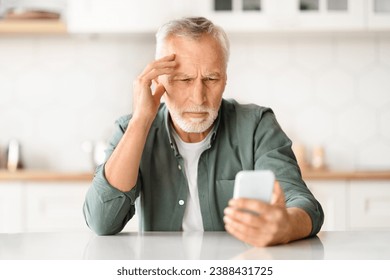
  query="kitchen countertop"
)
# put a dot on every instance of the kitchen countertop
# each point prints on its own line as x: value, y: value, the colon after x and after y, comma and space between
x: 331, y: 245
x: 346, y: 175
x: 42, y: 175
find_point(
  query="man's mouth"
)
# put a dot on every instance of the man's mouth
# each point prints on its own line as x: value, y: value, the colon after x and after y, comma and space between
x: 196, y: 114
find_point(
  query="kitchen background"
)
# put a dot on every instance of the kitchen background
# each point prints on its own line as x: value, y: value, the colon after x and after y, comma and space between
x: 329, y: 87
x: 326, y: 90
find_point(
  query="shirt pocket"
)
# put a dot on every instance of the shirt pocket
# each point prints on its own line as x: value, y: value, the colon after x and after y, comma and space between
x: 224, y: 192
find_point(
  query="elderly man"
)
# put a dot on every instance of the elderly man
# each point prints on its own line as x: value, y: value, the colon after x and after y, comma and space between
x: 180, y: 157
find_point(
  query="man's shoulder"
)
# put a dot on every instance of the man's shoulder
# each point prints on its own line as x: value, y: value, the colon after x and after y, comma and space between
x: 232, y: 107
x: 123, y: 121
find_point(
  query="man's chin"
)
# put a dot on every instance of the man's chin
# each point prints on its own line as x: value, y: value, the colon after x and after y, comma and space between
x: 196, y: 127
x: 197, y: 121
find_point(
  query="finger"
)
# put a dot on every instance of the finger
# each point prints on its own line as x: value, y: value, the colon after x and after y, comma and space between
x: 159, y: 92
x: 254, y: 205
x: 260, y: 241
x: 278, y: 197
x: 166, y: 61
x: 168, y: 57
x: 237, y: 225
x: 249, y: 219
x: 246, y: 234
x: 250, y: 224
x: 153, y: 69
x: 152, y: 74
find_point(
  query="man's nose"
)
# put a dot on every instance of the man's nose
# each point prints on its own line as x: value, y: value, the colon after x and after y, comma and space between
x: 198, y: 92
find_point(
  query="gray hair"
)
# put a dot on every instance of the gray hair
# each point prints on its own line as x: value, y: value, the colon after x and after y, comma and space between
x: 194, y: 28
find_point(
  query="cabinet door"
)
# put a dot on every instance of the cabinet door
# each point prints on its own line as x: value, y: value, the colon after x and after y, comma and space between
x: 295, y: 15
x: 11, y: 198
x: 112, y: 16
x: 331, y: 14
x: 333, y: 198
x: 55, y: 206
x: 369, y: 205
x: 378, y: 14
x: 124, y: 16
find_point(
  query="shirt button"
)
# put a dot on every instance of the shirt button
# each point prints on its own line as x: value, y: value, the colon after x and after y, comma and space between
x: 181, y: 202
x: 179, y: 166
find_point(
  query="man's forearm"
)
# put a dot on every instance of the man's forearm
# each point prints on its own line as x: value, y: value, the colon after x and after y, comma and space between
x: 121, y: 169
x: 300, y: 222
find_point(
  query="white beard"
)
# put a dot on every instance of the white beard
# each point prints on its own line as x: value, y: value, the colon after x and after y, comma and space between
x: 194, y: 125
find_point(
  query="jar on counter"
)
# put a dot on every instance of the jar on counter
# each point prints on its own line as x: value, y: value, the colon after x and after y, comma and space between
x: 318, y: 158
x: 300, y: 154
x: 13, y: 156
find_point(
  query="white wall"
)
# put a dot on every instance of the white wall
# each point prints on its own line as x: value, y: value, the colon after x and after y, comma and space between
x: 329, y: 90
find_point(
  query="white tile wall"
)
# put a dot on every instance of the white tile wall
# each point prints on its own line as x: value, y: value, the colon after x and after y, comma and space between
x: 329, y: 90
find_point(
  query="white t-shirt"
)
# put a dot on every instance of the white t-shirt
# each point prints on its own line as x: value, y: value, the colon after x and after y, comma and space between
x: 191, y: 152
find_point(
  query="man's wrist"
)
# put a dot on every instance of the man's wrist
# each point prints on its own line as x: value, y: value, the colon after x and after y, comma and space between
x: 141, y: 122
x: 300, y: 223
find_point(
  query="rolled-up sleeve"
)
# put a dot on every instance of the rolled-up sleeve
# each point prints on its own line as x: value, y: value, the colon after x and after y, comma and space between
x: 107, y: 209
x: 274, y: 152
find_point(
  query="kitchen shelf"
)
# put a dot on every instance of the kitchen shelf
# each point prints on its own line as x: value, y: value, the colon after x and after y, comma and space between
x: 32, y: 27
x: 326, y: 175
x: 39, y: 175
x: 345, y: 175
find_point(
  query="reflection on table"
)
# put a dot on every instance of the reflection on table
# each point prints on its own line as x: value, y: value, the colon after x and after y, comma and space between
x: 191, y: 245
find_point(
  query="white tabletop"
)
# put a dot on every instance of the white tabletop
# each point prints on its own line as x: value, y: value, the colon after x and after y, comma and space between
x: 368, y: 245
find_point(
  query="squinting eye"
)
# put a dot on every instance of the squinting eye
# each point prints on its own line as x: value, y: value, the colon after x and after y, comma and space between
x: 183, y: 80
x: 211, y: 79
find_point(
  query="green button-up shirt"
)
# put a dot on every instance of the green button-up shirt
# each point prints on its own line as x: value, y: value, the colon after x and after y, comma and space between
x: 244, y: 137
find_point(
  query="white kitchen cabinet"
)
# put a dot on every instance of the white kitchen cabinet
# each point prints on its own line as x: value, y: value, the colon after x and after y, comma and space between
x: 54, y: 206
x: 295, y: 15
x: 45, y: 206
x: 331, y: 14
x: 11, y: 207
x: 333, y: 198
x: 122, y: 16
x: 378, y: 14
x: 353, y: 204
x: 369, y: 205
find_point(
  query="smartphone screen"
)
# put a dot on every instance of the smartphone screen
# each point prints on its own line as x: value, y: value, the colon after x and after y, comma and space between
x: 254, y: 184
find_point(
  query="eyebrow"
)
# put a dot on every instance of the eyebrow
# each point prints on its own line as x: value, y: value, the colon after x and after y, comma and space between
x: 180, y: 75
x: 213, y: 75
x: 186, y: 76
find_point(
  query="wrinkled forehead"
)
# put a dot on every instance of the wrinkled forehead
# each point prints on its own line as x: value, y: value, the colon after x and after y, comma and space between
x: 203, y: 51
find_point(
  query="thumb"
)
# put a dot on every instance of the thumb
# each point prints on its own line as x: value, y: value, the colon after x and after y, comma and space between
x: 278, y: 195
x: 159, y: 92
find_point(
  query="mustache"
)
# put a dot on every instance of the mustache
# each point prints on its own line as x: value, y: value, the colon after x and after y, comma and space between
x: 197, y: 109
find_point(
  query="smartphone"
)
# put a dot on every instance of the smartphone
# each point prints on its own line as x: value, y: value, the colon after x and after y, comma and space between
x: 254, y: 184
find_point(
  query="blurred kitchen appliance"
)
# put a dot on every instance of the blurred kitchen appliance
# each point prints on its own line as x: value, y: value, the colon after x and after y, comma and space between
x: 300, y: 154
x: 2, y: 159
x: 32, y: 9
x: 13, y: 157
x: 96, y: 151
x: 318, y: 158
